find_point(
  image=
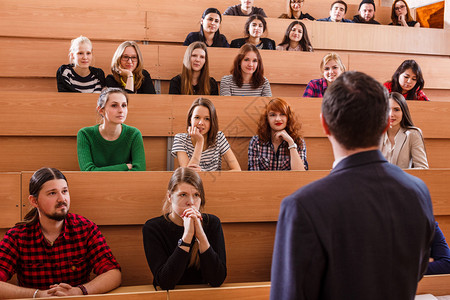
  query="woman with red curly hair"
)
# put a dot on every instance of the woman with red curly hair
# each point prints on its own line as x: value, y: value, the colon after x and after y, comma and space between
x: 278, y: 145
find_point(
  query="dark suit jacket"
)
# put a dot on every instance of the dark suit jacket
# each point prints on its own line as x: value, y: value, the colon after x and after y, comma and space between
x: 362, y: 232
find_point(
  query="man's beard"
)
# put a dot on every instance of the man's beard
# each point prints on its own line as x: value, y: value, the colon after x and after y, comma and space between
x: 58, y: 216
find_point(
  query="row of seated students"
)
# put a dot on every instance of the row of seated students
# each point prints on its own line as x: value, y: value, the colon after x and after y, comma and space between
x: 400, y: 13
x: 278, y: 145
x: 182, y: 246
x: 246, y: 78
x: 256, y: 25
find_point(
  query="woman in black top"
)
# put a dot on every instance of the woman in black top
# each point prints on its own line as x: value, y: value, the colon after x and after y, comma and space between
x: 254, y: 28
x: 209, y: 30
x: 194, y: 78
x: 185, y: 246
x: 128, y: 73
x: 401, y: 16
x: 294, y: 11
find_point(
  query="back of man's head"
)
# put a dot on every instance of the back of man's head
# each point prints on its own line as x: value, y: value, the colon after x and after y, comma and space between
x: 355, y: 108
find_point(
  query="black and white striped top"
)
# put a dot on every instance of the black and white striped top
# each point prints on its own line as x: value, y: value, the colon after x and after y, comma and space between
x: 211, y: 158
x: 69, y: 81
x: 229, y: 88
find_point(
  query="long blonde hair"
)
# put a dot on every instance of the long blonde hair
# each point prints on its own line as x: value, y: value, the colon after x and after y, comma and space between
x: 189, y: 176
x: 115, y: 63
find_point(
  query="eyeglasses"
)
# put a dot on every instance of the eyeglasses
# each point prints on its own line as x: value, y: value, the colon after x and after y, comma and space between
x: 297, y: 1
x: 400, y: 7
x: 125, y: 58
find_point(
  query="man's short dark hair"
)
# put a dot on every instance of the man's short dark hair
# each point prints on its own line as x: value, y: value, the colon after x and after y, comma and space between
x: 355, y: 107
x: 340, y: 2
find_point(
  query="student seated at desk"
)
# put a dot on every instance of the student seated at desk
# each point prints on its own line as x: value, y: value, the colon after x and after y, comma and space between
x: 366, y: 13
x: 209, y: 30
x: 440, y: 254
x: 184, y: 245
x: 401, y: 16
x: 111, y: 145
x: 331, y: 67
x: 296, y: 38
x: 79, y: 76
x: 194, y: 78
x: 403, y: 144
x: 128, y: 73
x: 254, y: 28
x: 337, y: 13
x: 244, y: 9
x: 203, y: 146
x: 247, y: 75
x: 278, y: 145
x: 408, y: 81
x: 53, y: 251
x: 294, y: 11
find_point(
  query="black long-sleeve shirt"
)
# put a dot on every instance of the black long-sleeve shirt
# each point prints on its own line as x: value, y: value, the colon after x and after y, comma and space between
x: 169, y: 263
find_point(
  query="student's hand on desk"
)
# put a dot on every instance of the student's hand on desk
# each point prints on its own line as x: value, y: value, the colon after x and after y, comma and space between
x: 63, y: 289
x: 196, y: 168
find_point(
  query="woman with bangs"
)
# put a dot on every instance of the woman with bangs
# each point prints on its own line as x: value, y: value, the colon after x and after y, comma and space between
x: 278, y: 145
x: 294, y: 11
x: 194, y: 78
x: 185, y: 245
x: 203, y: 146
x: 247, y: 75
x: 296, y: 38
x: 331, y: 67
x: 254, y: 28
x: 408, y: 81
x: 128, y: 73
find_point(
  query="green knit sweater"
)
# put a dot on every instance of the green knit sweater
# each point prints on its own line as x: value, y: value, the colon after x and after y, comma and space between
x: 97, y: 154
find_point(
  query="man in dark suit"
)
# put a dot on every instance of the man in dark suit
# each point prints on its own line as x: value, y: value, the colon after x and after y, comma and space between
x: 364, y: 231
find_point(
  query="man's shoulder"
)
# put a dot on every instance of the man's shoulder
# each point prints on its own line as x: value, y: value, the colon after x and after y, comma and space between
x: 77, y: 221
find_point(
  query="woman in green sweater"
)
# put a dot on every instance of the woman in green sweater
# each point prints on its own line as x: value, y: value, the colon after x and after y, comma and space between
x: 111, y: 145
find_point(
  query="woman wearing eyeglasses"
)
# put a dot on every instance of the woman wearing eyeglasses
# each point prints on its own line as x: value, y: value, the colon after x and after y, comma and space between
x: 401, y: 16
x: 128, y: 71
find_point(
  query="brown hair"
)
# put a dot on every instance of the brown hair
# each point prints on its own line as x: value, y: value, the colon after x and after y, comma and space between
x: 394, y: 16
x: 293, y: 126
x: 186, y: 72
x: 189, y: 176
x: 258, y: 75
x: 214, y: 123
x: 38, y: 179
x: 304, y: 43
x: 115, y: 63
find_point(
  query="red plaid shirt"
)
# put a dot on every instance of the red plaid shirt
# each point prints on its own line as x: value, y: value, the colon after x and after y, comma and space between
x: 79, y: 249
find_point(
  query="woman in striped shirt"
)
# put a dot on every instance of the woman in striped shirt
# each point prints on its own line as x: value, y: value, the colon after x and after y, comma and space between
x: 203, y: 146
x: 247, y: 75
x: 79, y: 76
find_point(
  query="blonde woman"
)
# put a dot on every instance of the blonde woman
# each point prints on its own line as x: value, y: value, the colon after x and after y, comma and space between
x: 331, y: 67
x: 128, y: 73
x: 79, y: 76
